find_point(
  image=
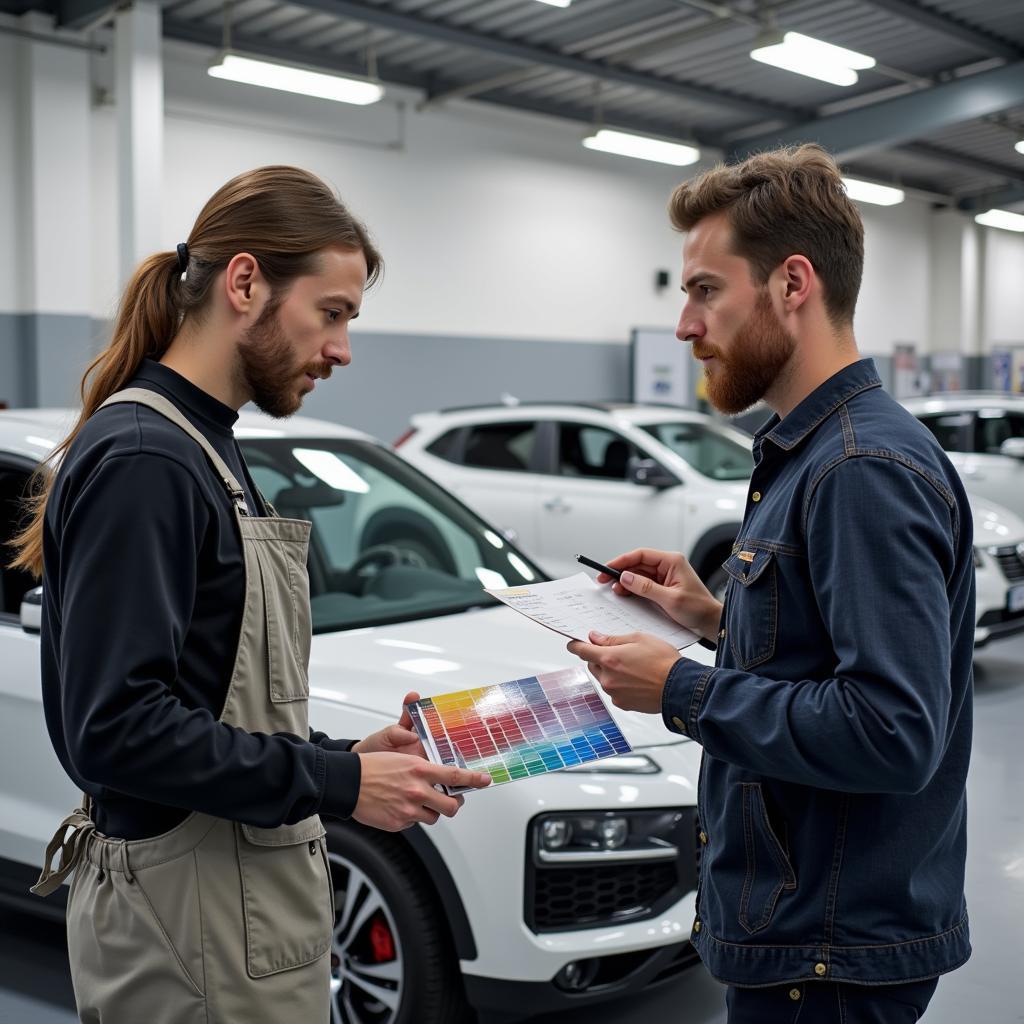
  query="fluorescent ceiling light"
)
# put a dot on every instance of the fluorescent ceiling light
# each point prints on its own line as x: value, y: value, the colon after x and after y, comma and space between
x: 293, y: 78
x: 805, y: 55
x: 1001, y: 219
x: 556, y: 3
x: 642, y: 147
x: 868, y: 192
x: 1020, y: 147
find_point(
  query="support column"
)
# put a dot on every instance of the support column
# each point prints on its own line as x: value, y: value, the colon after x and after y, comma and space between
x: 55, y: 281
x: 139, y: 90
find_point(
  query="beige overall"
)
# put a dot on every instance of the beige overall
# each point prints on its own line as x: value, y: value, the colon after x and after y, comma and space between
x: 213, y: 922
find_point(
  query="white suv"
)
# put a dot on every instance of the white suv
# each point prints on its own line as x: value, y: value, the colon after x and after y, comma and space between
x: 557, y: 891
x: 595, y: 479
x: 983, y: 434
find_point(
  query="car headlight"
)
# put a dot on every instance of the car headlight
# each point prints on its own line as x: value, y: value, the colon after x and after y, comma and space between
x: 623, y: 764
x: 605, y: 836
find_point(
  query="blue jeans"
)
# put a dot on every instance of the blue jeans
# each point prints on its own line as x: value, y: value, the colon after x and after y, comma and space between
x: 828, y: 1002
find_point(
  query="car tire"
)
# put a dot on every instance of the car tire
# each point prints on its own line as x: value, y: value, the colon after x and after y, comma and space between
x: 716, y: 583
x: 392, y: 960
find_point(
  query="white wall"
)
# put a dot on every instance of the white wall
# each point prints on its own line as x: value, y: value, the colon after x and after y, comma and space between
x: 1003, y: 289
x: 492, y: 223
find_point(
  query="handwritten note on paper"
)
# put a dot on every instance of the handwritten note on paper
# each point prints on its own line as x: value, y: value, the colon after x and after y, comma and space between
x: 576, y: 605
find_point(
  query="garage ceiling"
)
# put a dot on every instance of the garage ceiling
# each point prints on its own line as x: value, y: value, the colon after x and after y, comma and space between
x: 940, y: 112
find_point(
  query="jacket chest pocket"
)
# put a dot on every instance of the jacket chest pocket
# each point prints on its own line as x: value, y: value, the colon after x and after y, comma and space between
x: 752, y: 605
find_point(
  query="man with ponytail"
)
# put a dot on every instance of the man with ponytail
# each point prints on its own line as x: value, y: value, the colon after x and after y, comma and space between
x: 176, y: 630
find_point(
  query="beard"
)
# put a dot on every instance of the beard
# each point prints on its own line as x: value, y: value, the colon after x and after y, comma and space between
x: 268, y: 367
x: 757, y: 356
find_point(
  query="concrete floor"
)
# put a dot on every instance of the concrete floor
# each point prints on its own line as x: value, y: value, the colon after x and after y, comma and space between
x: 35, y: 987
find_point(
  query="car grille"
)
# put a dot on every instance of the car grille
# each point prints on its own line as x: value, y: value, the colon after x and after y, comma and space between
x: 563, y: 898
x: 1010, y: 562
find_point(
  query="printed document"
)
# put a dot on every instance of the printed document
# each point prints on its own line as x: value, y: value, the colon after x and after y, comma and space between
x: 576, y: 605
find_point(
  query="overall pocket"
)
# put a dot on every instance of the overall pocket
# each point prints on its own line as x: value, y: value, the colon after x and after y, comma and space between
x: 287, y: 895
x: 769, y: 871
x: 752, y: 605
x: 288, y: 620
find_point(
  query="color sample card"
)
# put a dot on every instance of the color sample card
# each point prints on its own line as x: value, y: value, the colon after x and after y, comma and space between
x: 520, y: 728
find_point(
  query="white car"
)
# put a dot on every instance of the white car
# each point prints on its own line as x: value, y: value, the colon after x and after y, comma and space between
x: 595, y: 479
x: 998, y: 570
x: 983, y: 434
x: 544, y: 893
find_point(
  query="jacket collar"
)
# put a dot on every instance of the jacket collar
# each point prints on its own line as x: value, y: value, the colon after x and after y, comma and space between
x: 820, y: 404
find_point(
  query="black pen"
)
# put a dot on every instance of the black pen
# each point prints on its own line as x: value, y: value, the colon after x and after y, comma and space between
x: 606, y: 569
x: 616, y: 575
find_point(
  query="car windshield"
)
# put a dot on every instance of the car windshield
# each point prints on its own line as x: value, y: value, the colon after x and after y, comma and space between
x: 713, y: 451
x: 387, y: 544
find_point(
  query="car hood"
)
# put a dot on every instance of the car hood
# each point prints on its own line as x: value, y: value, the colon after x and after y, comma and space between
x: 994, y: 524
x: 374, y: 668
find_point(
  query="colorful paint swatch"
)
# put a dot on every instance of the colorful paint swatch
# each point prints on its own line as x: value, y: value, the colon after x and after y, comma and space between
x: 520, y: 728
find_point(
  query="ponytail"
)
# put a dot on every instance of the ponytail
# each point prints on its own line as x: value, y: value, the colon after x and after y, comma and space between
x: 147, y: 321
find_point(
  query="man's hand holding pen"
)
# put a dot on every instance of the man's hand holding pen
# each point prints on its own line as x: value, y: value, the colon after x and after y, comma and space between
x: 632, y: 669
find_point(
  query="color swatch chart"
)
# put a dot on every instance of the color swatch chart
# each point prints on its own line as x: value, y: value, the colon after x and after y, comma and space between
x: 520, y: 728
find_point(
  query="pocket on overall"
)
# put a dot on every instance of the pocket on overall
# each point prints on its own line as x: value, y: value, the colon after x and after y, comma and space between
x: 289, y: 626
x: 769, y: 871
x: 752, y: 605
x: 286, y: 894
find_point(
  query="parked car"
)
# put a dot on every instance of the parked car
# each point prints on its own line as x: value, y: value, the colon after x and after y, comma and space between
x: 983, y: 434
x: 601, y: 479
x: 594, y: 479
x: 540, y: 894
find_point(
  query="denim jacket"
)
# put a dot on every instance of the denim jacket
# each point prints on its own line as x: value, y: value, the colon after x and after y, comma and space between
x: 836, y: 723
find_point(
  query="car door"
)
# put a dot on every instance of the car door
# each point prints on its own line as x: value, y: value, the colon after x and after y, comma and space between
x: 589, y: 506
x: 35, y: 794
x: 493, y: 469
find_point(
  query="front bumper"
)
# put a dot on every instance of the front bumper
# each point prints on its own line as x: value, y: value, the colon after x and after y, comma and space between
x: 616, y: 976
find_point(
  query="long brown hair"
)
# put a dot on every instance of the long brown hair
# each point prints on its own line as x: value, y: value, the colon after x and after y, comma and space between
x: 283, y: 216
x: 779, y: 203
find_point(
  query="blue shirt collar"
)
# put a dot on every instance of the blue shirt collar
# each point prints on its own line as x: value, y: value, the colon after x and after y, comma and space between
x: 820, y: 404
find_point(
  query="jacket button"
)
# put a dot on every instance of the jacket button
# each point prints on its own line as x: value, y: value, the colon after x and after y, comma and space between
x: 696, y: 925
x: 721, y: 634
x: 794, y: 994
x: 312, y: 848
x: 703, y: 838
x: 756, y: 496
x: 679, y: 723
x: 820, y: 969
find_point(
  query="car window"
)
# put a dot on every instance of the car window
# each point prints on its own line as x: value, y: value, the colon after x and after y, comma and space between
x: 387, y: 544
x: 953, y: 430
x: 446, y: 446
x: 996, y: 426
x: 710, y: 451
x: 586, y: 450
x: 501, y: 445
x: 14, y: 583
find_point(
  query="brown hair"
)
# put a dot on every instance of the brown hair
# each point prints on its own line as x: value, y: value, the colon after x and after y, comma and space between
x: 782, y: 203
x: 283, y: 216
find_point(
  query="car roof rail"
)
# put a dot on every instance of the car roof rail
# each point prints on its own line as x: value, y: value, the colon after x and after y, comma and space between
x: 601, y: 406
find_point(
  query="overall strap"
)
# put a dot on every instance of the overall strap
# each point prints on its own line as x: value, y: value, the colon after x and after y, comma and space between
x: 166, y: 408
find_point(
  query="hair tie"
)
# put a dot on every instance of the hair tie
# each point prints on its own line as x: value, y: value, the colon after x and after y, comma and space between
x: 182, y: 257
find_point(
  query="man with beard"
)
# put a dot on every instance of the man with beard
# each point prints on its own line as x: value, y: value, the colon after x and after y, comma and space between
x: 176, y: 631
x: 836, y: 722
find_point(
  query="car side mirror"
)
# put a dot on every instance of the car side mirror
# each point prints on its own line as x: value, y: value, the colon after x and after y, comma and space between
x: 649, y: 473
x: 1013, y: 447
x: 32, y: 610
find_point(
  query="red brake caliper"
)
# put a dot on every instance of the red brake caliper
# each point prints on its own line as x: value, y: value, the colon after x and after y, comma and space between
x: 381, y: 941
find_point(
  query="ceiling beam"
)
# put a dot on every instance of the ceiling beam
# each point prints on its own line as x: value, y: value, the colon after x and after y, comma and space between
x: 964, y: 160
x: 993, y: 200
x: 524, y: 53
x: 81, y: 14
x: 896, y: 121
x: 987, y: 42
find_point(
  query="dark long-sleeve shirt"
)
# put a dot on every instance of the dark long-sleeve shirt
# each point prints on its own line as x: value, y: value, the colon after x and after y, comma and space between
x: 143, y: 590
